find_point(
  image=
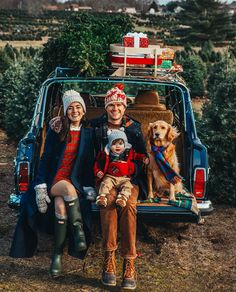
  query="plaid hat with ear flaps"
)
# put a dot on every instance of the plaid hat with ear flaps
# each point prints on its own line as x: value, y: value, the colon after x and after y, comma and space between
x: 70, y: 96
x: 116, y: 95
x: 116, y: 135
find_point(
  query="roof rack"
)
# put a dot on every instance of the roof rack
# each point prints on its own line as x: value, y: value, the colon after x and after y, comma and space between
x: 149, y: 62
x: 147, y: 73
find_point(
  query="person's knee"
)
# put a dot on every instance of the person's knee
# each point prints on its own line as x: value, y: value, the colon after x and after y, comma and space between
x: 60, y: 209
x: 63, y: 188
x: 69, y: 189
x: 104, y: 188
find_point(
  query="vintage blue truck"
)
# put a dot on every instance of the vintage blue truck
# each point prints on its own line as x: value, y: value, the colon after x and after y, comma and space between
x: 173, y: 105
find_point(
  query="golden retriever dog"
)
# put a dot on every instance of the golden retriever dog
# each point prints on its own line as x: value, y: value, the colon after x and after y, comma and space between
x: 162, y: 134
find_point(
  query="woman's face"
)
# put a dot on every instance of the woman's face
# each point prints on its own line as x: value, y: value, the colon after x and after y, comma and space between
x: 75, y: 112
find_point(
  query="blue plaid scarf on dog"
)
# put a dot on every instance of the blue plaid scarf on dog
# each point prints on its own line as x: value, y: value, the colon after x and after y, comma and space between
x: 164, y: 165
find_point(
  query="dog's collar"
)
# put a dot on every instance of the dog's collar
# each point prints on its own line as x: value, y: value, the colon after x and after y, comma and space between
x: 159, y: 148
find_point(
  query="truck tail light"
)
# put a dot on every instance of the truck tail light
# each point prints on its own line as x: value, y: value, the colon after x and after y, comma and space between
x: 23, y: 176
x: 199, y: 183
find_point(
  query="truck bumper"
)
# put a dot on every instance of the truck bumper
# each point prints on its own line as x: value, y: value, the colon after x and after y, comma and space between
x: 205, y: 207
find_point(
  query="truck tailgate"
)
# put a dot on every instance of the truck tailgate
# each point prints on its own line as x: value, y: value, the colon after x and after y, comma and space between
x: 184, y: 209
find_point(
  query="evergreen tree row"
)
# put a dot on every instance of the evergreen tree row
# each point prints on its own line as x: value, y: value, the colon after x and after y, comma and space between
x: 217, y: 130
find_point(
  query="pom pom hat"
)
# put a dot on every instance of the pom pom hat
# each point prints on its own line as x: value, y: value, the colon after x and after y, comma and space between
x: 116, y: 95
x: 70, y: 96
x: 113, y: 135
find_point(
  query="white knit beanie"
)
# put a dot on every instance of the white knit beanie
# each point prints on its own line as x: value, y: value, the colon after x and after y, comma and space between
x: 70, y: 96
x: 115, y: 134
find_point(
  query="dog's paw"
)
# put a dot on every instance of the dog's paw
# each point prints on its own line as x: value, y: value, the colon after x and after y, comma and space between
x: 172, y: 198
x: 150, y: 196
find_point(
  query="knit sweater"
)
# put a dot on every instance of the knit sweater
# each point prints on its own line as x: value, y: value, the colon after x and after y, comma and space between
x: 68, y: 159
x: 117, y: 168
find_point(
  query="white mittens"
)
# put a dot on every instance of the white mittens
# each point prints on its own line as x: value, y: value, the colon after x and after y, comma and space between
x: 42, y: 198
x: 91, y: 193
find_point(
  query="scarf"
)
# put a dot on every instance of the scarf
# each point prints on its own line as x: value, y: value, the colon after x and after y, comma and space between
x: 164, y: 165
x: 117, y: 157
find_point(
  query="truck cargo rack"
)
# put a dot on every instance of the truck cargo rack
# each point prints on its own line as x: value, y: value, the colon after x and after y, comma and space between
x: 150, y: 62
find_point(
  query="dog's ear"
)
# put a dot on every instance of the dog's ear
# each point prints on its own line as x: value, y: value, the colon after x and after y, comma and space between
x: 172, y: 133
x: 149, y: 136
x: 149, y: 132
x: 150, y: 126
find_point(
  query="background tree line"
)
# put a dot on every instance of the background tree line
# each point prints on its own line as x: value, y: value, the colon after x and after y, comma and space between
x: 196, y: 22
x: 32, y: 6
x: 36, y: 6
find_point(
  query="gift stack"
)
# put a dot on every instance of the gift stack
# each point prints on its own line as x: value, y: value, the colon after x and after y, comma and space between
x: 135, y: 51
x: 166, y: 58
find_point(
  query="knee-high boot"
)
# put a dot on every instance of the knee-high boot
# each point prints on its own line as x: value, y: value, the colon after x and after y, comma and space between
x: 76, y: 224
x: 60, y: 228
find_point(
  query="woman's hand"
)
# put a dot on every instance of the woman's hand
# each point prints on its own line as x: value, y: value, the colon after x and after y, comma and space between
x: 42, y: 198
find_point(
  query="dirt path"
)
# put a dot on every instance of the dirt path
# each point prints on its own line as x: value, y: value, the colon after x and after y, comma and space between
x: 173, y: 257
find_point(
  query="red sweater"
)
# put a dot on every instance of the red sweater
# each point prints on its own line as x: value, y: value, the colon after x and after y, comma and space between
x: 117, y: 168
x: 68, y: 160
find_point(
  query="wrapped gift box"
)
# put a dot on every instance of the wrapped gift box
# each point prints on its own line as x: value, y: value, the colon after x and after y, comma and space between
x: 136, y: 40
x: 166, y: 64
x: 168, y: 54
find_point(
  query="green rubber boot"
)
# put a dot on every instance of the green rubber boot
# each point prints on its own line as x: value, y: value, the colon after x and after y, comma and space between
x: 76, y: 224
x: 59, y: 242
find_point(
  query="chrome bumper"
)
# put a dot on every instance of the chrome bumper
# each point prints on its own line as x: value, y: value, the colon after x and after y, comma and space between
x: 205, y: 207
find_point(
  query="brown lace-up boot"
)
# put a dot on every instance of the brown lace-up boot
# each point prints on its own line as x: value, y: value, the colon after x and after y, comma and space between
x: 109, y: 269
x: 129, y: 275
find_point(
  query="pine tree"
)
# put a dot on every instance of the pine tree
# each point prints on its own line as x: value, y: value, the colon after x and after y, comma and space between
x: 19, y: 86
x: 232, y: 49
x: 217, y: 131
x: 5, y: 61
x: 194, y: 74
x: 84, y: 42
x: 205, y: 20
